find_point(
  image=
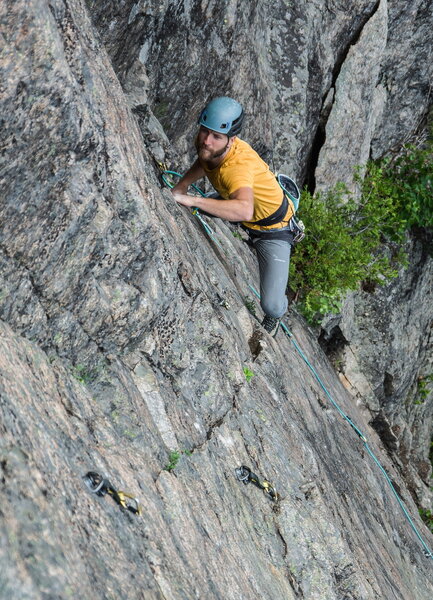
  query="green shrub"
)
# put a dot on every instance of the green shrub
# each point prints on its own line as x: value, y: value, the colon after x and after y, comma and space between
x: 249, y: 303
x: 427, y: 516
x: 248, y: 374
x: 411, y: 176
x: 423, y: 386
x: 345, y: 241
x: 173, y: 459
x: 81, y: 374
x: 342, y: 248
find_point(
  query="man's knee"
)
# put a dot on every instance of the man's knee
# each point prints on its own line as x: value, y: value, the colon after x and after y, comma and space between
x: 274, y: 307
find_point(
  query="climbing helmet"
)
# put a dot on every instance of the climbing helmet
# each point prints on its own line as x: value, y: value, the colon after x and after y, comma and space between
x: 223, y: 115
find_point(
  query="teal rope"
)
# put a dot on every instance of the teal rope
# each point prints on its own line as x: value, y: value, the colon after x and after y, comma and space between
x: 428, y: 553
x: 195, y: 210
x: 170, y: 185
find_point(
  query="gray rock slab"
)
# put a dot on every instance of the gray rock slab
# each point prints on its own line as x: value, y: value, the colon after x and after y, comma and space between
x: 123, y: 331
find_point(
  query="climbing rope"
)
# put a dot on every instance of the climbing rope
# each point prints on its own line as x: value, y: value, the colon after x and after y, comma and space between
x: 428, y: 553
x: 100, y: 486
x: 211, y: 233
x: 426, y: 550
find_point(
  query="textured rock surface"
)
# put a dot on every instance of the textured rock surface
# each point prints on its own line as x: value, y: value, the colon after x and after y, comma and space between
x: 124, y: 335
x: 357, y: 100
x: 285, y: 61
x: 382, y: 90
x: 406, y: 73
x: 326, y: 85
x: 382, y: 344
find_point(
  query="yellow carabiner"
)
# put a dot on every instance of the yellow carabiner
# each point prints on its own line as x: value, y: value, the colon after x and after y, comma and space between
x: 135, y: 509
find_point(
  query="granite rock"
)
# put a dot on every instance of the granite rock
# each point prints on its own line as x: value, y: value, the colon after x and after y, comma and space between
x: 124, y: 338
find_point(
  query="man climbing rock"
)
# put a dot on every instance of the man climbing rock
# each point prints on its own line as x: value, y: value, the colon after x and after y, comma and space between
x: 248, y: 192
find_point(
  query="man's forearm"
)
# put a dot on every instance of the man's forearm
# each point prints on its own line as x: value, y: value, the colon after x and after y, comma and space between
x: 231, y: 210
x: 194, y: 173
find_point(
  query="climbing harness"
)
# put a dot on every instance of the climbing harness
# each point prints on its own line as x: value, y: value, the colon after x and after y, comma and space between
x: 100, y: 486
x: 275, y: 217
x: 245, y: 475
x: 292, y: 191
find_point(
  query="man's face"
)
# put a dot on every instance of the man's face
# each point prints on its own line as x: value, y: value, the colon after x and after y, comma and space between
x: 211, y: 144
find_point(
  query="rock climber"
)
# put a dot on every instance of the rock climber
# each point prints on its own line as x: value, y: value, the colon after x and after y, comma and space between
x: 247, y: 192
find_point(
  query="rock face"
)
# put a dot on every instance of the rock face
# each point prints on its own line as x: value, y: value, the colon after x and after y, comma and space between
x: 124, y: 334
x: 357, y: 99
x: 327, y: 87
x: 382, y: 343
x: 381, y: 92
x: 298, y: 69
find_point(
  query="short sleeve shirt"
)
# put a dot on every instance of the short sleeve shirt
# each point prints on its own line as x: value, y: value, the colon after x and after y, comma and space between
x: 243, y: 167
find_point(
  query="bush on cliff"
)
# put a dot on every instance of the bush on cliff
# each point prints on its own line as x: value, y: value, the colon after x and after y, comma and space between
x: 352, y: 241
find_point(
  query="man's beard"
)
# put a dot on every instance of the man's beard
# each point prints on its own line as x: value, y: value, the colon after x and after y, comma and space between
x: 210, y: 156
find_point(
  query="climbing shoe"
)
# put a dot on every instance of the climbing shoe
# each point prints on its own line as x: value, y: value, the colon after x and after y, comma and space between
x: 271, y: 324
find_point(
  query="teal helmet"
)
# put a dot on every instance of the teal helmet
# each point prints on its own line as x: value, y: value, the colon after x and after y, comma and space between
x: 223, y: 115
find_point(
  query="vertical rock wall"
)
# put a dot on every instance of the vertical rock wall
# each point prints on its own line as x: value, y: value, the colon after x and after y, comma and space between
x: 382, y: 346
x: 124, y: 336
x: 357, y: 101
x: 326, y: 85
x: 285, y: 62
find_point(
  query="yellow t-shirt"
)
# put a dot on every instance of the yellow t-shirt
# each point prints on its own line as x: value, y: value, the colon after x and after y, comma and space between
x: 243, y: 167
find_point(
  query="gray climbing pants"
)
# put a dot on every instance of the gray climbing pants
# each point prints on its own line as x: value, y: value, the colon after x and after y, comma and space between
x: 274, y: 259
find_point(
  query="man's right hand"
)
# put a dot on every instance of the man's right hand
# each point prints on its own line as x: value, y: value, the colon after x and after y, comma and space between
x: 180, y: 188
x: 184, y: 199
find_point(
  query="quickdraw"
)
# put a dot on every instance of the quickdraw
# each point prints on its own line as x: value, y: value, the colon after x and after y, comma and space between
x: 100, y: 486
x: 245, y: 475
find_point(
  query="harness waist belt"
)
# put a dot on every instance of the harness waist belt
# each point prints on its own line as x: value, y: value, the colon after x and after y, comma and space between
x: 275, y: 217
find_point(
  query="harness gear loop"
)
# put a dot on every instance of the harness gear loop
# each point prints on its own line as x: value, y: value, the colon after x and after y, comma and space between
x: 100, y: 486
x: 245, y: 475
